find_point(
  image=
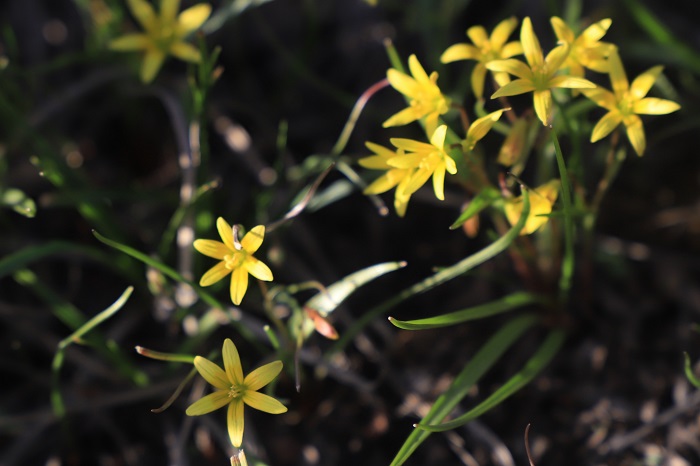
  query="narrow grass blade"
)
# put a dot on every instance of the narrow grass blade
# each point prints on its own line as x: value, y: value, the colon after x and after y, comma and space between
x: 482, y: 361
x: 690, y: 375
x: 442, y: 276
x: 171, y: 357
x: 549, y: 348
x: 567, y: 265
x: 499, y: 306
x: 485, y: 198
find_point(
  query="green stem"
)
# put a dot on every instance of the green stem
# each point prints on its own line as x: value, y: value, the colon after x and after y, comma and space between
x: 567, y: 266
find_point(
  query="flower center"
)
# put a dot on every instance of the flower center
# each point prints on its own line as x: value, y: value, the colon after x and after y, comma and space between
x: 232, y: 261
x: 235, y: 391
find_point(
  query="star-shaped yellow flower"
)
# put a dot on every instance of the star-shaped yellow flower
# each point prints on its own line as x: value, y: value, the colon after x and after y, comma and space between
x: 586, y: 50
x: 398, y: 177
x: 485, y: 50
x: 626, y: 102
x: 541, y: 74
x: 425, y: 160
x: 541, y: 202
x: 425, y: 98
x: 163, y: 35
x: 234, y: 390
x: 236, y: 259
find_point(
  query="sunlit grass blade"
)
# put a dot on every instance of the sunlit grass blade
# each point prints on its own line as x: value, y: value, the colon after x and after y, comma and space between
x: 690, y: 375
x: 482, y: 361
x: 481, y: 201
x: 327, y: 301
x: 499, y: 306
x: 549, y: 348
x: 567, y: 265
x: 18, y: 201
x: 181, y: 386
x: 444, y: 275
x: 172, y: 357
x: 56, y: 398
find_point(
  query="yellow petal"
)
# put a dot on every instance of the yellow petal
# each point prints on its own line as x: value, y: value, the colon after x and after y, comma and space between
x: 543, y: 106
x: 168, y: 10
x: 401, y: 204
x: 478, y: 36
x: 571, y: 82
x: 212, y: 373
x: 417, y: 71
x: 211, y: 248
x: 512, y: 49
x: 460, y: 52
x: 209, y: 403
x: 450, y: 165
x: 381, y: 151
x: 192, y: 18
x: 253, y: 239
x: 232, y: 363
x: 519, y: 86
x: 618, y: 78
x: 562, y: 30
x: 214, y: 274
x: 151, y: 64
x: 264, y: 403
x: 438, y: 137
x: 143, y: 12
x: 642, y: 83
x: 601, y: 97
x: 502, y: 31
x: 239, y: 285
x: 404, y: 117
x: 481, y: 127
x: 439, y: 181
x: 185, y: 52
x: 374, y: 162
x: 605, y: 126
x: 234, y: 422
x: 407, y: 161
x: 596, y: 31
x: 262, y: 376
x: 654, y: 106
x: 417, y: 180
x: 512, y: 66
x: 635, y: 133
x: 478, y: 78
x: 402, y: 82
x: 258, y: 269
x: 130, y: 42
x: 225, y: 232
x: 411, y: 146
x: 556, y: 58
x: 531, y: 46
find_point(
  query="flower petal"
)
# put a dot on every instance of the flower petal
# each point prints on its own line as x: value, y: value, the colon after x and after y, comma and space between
x: 439, y: 181
x: 192, y: 18
x: 438, y: 137
x: 519, y: 86
x: 596, y: 31
x: 642, y: 83
x: 253, y: 239
x: 239, y: 284
x: 556, y: 58
x: 512, y: 49
x: 258, y: 269
x: 411, y: 145
x: 185, y: 52
x: 460, y: 52
x: 151, y: 64
x: 264, y: 403
x: 417, y: 71
x: 502, y: 31
x: 478, y: 78
x: 168, y: 10
x: 654, y: 106
x: 209, y: 403
x: 130, y: 42
x: 417, y: 180
x: 384, y: 183
x: 404, y: 117
x: 543, y: 106
x: 212, y: 373
x: 478, y: 36
x: 562, y: 30
x: 601, y: 97
x: 402, y: 82
x: 571, y: 82
x: 232, y: 363
x: 531, y: 46
x: 481, y: 127
x: 214, y: 274
x: 618, y: 78
x: 262, y: 376
x: 234, y: 422
x: 635, y: 133
x: 211, y: 248
x: 143, y: 12
x: 512, y: 66
x: 605, y: 126
x: 225, y: 232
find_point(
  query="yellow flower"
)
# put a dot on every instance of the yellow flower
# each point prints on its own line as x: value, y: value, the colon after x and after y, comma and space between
x: 393, y: 177
x: 163, y: 34
x: 425, y: 99
x: 485, y: 50
x: 236, y: 258
x: 541, y: 202
x: 626, y: 102
x: 586, y: 50
x: 480, y: 128
x: 234, y: 390
x: 425, y: 160
x: 541, y: 74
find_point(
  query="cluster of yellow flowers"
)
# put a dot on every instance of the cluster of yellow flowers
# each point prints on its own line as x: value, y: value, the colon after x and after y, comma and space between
x: 409, y: 166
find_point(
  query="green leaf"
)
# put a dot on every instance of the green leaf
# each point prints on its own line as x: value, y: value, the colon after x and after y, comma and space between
x: 482, y: 361
x: 550, y: 347
x: 481, y: 201
x: 20, y: 259
x: 692, y: 378
x: 328, y: 300
x: 442, y: 276
x: 19, y: 202
x: 499, y: 306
